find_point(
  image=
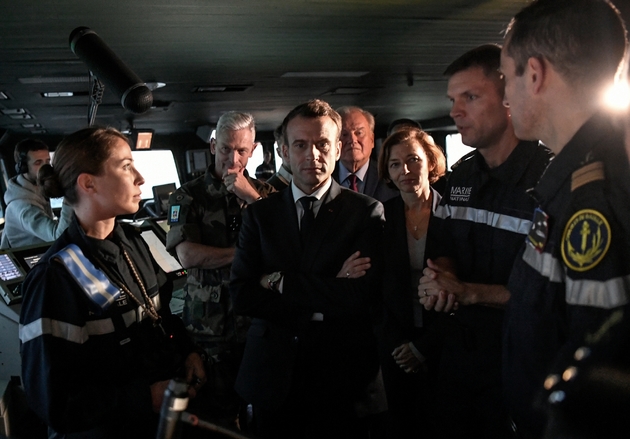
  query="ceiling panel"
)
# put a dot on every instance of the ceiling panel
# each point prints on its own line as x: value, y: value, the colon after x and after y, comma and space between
x: 403, y: 45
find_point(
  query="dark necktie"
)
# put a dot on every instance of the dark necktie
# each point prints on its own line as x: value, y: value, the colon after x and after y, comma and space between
x: 352, y: 179
x: 306, y: 225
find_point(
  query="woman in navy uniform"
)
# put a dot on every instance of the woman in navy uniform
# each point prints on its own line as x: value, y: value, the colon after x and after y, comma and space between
x: 99, y: 344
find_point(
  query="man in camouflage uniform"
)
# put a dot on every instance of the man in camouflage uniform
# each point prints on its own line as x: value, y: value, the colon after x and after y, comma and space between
x: 204, y: 219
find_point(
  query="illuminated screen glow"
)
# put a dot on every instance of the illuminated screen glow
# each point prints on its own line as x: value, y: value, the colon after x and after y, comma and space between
x: 8, y: 269
x: 157, y: 167
x: 144, y: 140
x: 455, y: 149
x: 255, y: 160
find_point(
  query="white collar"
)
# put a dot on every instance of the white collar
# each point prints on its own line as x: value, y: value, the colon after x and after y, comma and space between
x: 319, y: 193
x: 343, y: 171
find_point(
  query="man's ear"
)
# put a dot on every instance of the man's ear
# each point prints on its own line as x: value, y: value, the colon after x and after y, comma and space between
x: 285, y: 152
x: 537, y: 71
x: 253, y: 148
x: 213, y: 146
x: 338, y: 154
x: 85, y: 183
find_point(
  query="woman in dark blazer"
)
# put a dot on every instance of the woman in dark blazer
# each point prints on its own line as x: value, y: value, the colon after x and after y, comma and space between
x: 410, y: 161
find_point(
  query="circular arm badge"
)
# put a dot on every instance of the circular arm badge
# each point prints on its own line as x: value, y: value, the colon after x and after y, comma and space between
x: 586, y: 240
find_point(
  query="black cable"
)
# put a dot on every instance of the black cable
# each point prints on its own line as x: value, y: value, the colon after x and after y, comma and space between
x: 96, y: 97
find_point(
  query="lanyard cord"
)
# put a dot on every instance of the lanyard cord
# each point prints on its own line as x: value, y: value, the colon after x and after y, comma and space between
x: 148, y: 306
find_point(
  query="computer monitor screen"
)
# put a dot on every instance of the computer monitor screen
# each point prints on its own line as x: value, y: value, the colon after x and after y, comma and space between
x: 158, y: 250
x: 8, y: 269
x: 161, y: 194
x: 157, y: 167
x: 197, y: 160
x: 142, y: 138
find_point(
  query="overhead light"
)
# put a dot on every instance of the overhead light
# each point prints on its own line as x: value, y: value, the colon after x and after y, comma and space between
x: 20, y: 116
x: 53, y: 79
x: 221, y: 88
x: 617, y: 96
x: 205, y: 89
x: 58, y: 94
x: 3, y: 95
x: 10, y: 111
x: 324, y: 74
x: 154, y: 85
x: 347, y: 91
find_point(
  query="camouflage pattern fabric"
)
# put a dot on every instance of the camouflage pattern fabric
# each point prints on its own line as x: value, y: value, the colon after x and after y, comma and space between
x: 204, y: 212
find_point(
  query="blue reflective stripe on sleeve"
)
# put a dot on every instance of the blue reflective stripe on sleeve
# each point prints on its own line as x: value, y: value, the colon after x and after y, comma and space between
x: 544, y: 263
x: 64, y: 330
x: 481, y: 216
x: 92, y: 281
x: 442, y: 212
x: 606, y: 294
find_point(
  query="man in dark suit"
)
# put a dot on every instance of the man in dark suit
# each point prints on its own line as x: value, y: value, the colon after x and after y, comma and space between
x: 310, y: 363
x: 281, y: 179
x: 355, y: 170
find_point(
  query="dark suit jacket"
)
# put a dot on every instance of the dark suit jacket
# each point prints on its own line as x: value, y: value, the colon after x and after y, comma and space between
x: 372, y: 187
x: 269, y: 242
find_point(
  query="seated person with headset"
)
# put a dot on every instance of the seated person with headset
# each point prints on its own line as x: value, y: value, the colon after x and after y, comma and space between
x: 29, y: 219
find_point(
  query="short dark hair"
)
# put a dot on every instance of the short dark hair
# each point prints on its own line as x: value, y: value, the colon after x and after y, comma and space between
x: 403, y: 123
x: 26, y: 145
x: 312, y: 109
x: 487, y: 56
x: 278, y: 135
x: 437, y: 161
x: 585, y: 40
x: 84, y: 151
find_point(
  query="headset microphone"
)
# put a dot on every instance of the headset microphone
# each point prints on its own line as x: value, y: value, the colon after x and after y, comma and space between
x: 134, y: 95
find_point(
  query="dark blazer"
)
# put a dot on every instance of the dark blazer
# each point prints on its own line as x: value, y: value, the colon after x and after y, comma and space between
x: 373, y: 186
x: 269, y: 242
x: 398, y: 324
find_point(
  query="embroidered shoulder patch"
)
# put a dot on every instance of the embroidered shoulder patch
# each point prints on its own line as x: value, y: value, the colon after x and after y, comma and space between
x: 587, y: 174
x: 539, y: 232
x: 586, y: 240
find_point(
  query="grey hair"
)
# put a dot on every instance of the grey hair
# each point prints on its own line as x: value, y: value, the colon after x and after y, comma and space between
x: 344, y: 111
x: 234, y: 121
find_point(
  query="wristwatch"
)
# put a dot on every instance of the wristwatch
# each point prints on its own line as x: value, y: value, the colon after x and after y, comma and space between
x: 273, y: 280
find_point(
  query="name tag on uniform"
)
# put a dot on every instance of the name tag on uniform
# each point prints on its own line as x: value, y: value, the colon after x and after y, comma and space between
x: 174, y: 216
x: 539, y: 232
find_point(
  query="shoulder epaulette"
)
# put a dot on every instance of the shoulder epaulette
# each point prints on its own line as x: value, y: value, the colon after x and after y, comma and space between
x: 94, y: 283
x: 463, y: 159
x: 587, y: 174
